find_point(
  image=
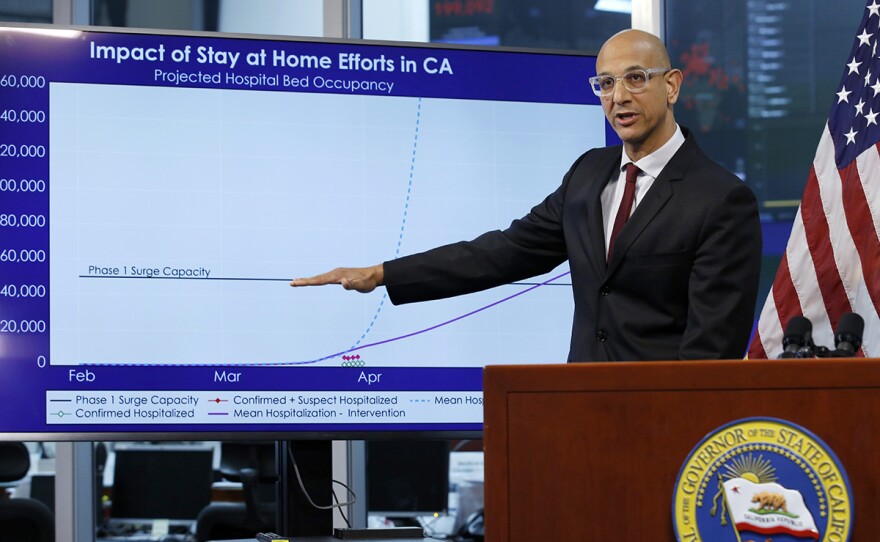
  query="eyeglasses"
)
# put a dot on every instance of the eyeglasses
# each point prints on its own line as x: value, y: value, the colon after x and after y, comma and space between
x: 635, y: 81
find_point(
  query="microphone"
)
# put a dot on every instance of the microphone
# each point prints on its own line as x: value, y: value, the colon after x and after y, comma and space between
x: 848, y: 338
x: 808, y: 350
x: 798, y: 337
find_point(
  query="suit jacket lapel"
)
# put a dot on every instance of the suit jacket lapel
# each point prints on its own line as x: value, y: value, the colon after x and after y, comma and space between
x: 603, y: 173
x: 653, y: 202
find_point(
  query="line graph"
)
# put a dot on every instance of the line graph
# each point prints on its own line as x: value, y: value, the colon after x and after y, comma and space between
x: 356, y: 348
x: 245, y: 189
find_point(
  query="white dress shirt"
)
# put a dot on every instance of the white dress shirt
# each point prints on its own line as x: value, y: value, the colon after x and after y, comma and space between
x: 650, y: 167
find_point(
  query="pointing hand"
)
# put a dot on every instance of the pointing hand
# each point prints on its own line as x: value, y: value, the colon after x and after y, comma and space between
x: 362, y: 279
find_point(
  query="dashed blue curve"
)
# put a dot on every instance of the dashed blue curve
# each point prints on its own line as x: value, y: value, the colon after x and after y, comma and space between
x: 412, y: 169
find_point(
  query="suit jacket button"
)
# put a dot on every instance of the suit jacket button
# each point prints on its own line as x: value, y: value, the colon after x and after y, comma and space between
x: 601, y: 335
x: 605, y: 290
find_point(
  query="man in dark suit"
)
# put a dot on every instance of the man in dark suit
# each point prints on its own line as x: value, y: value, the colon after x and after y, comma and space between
x: 664, y: 244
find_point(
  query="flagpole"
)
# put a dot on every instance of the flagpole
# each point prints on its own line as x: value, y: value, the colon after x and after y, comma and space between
x: 729, y: 512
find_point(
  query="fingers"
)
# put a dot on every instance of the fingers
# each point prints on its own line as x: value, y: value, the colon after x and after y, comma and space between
x: 360, y: 284
x: 349, y: 283
x: 361, y: 279
x: 332, y: 277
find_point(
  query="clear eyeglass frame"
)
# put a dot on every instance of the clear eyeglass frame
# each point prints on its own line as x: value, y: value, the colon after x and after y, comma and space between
x: 635, y: 81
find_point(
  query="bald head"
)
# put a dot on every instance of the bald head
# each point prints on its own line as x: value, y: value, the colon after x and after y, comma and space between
x: 644, y: 43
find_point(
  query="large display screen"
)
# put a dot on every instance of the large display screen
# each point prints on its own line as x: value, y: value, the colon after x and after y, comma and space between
x: 158, y: 192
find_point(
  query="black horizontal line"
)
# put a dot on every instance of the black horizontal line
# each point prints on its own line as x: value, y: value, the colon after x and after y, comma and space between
x: 179, y: 278
x: 268, y: 279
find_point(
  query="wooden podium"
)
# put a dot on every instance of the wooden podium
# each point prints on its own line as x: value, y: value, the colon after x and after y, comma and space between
x: 592, y: 451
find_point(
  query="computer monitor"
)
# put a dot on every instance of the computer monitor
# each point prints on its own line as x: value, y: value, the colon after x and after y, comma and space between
x: 43, y: 489
x: 407, y: 479
x: 161, y: 482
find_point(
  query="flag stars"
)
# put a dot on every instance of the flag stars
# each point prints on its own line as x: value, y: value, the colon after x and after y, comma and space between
x: 843, y: 95
x: 864, y: 38
x: 854, y: 66
x: 860, y: 107
x: 872, y: 117
x: 874, y: 8
x: 850, y: 136
x: 868, y: 77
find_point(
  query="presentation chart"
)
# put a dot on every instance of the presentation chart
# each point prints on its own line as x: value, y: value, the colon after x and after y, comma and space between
x: 159, y: 193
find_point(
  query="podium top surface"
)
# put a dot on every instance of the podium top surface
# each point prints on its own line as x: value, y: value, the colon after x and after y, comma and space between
x: 702, y: 374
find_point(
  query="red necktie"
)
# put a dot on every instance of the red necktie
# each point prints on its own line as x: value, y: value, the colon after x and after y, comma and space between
x: 629, y: 192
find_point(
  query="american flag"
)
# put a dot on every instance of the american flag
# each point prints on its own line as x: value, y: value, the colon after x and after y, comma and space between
x: 831, y: 265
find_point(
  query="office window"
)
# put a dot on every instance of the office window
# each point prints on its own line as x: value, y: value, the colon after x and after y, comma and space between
x: 171, y: 14
x: 281, y: 17
x: 26, y: 11
x: 556, y: 24
x: 760, y: 78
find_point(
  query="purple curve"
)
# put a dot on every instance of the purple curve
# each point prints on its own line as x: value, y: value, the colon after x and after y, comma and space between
x: 361, y: 347
x: 441, y: 324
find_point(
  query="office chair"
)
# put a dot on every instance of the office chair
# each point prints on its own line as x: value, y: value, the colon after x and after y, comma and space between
x: 252, y: 464
x: 22, y: 520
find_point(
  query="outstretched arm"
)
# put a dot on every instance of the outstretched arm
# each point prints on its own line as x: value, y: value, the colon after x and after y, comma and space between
x: 362, y: 279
